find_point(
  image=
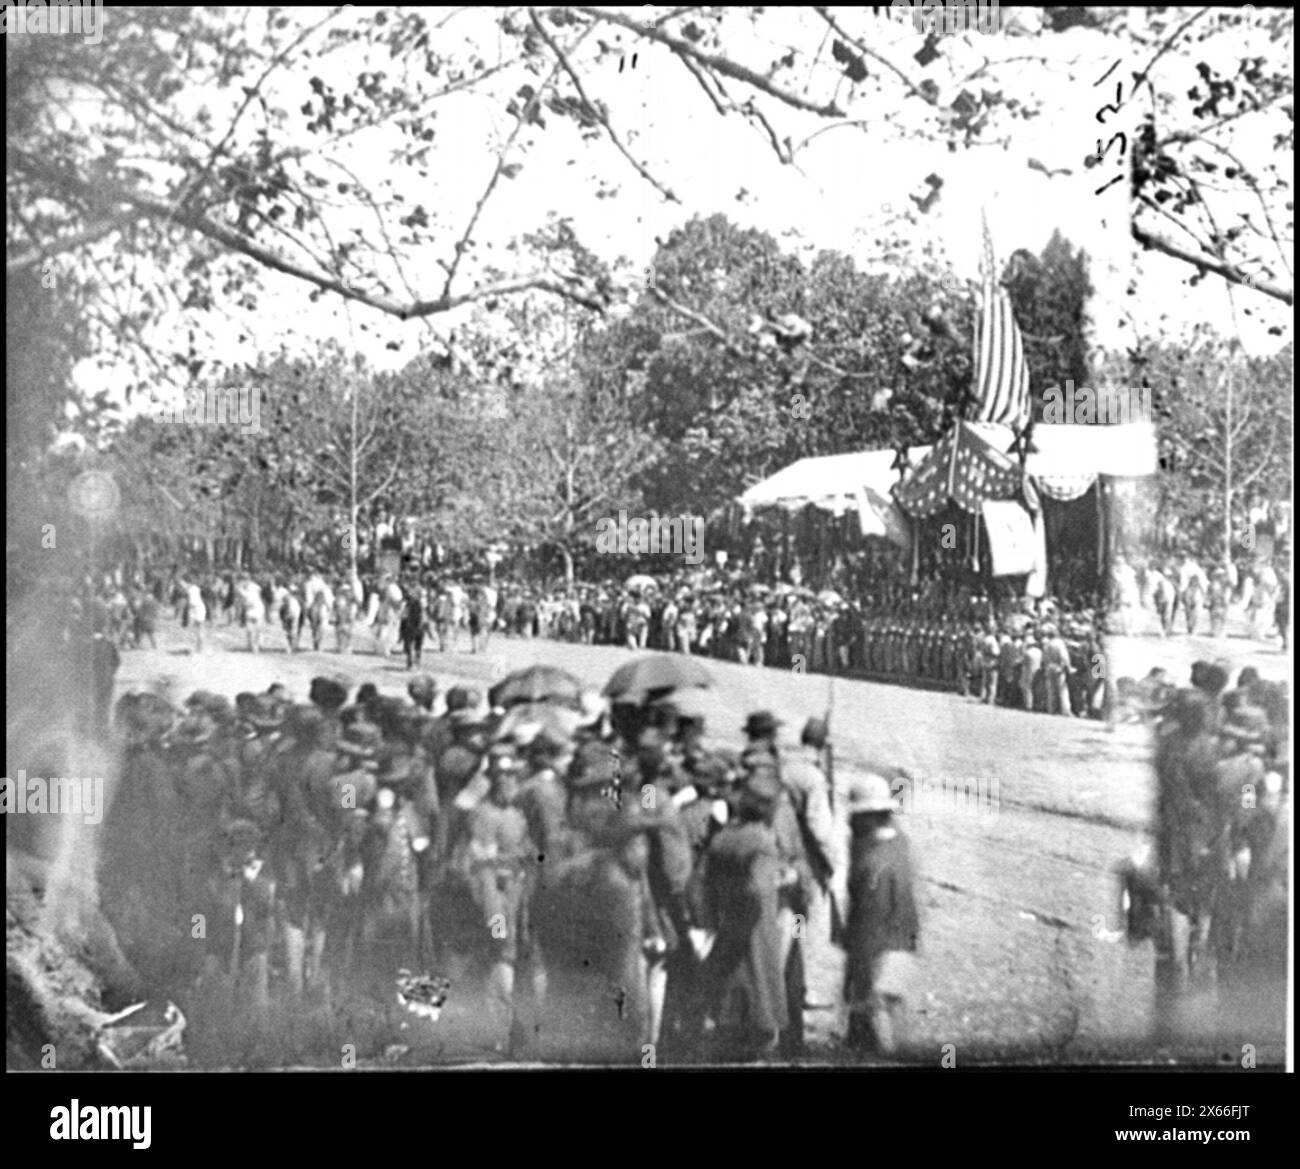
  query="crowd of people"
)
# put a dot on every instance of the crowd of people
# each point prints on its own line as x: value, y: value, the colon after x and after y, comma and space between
x: 1037, y: 655
x: 1213, y: 893
x: 605, y: 872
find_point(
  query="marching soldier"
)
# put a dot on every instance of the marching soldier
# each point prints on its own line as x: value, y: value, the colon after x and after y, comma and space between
x: 804, y: 778
x: 883, y: 925
x: 495, y: 858
x: 735, y: 896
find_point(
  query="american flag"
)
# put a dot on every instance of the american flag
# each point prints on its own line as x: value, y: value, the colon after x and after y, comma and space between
x: 1002, y: 377
x: 965, y: 467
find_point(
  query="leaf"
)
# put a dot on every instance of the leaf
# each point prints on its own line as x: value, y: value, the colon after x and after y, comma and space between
x: 855, y: 68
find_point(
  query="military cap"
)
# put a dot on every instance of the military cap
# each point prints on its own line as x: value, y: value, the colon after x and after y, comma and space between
x: 761, y: 724
x: 328, y: 693
x: 367, y: 693
x: 422, y: 689
x: 869, y: 793
x: 1209, y: 677
x: 265, y: 713
x: 815, y: 732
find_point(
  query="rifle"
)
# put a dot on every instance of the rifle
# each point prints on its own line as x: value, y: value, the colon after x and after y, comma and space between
x: 838, y: 925
x: 828, y: 754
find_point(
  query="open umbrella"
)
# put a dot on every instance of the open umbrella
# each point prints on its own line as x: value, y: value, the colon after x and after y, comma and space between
x: 656, y: 672
x: 536, y: 684
x: 640, y: 581
x: 526, y: 723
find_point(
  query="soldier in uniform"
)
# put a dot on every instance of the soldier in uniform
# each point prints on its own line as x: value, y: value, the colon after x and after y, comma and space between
x: 411, y: 626
x: 238, y: 894
x: 342, y: 803
x: 1057, y: 668
x: 345, y: 614
x: 882, y: 918
x: 735, y: 895
x: 1217, y: 601
x: 804, y: 777
x: 1186, y: 836
x: 261, y: 727
x: 396, y: 835
x: 496, y: 857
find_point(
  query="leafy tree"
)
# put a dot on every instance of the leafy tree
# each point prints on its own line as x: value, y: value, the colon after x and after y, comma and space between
x: 217, y: 151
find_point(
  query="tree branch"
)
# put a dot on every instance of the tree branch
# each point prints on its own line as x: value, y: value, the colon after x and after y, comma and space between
x: 718, y: 64
x: 599, y: 111
x: 1229, y: 272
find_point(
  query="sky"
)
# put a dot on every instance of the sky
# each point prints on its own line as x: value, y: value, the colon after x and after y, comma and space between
x: 847, y: 192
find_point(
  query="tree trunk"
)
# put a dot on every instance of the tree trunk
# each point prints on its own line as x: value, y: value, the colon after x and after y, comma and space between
x: 1227, y: 477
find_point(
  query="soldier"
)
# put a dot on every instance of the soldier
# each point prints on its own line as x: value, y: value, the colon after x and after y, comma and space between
x: 990, y: 650
x: 883, y: 923
x: 1239, y: 790
x: 300, y: 845
x: 345, y: 613
x: 239, y: 898
x: 1009, y: 652
x: 396, y: 836
x: 261, y: 726
x: 1186, y: 835
x: 1217, y: 601
x: 1030, y: 668
x: 411, y: 626
x: 804, y: 778
x: 495, y: 858
x: 341, y: 803
x: 651, y: 808
x: 735, y: 895
x: 1057, y: 668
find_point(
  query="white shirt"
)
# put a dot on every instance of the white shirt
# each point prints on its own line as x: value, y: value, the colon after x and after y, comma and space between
x: 194, y: 602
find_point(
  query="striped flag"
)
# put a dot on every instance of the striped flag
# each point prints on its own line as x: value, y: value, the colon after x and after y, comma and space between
x: 1002, y: 377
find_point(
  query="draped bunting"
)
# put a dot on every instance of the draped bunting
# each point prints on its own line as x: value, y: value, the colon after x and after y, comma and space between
x: 964, y: 467
x: 1065, y: 487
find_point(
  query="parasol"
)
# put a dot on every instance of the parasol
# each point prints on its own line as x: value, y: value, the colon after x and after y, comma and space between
x: 536, y: 684
x: 656, y: 672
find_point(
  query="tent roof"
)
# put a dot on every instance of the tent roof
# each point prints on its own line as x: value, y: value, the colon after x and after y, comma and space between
x: 830, y: 481
x: 1127, y: 450
x: 1066, y: 462
x: 1064, y: 452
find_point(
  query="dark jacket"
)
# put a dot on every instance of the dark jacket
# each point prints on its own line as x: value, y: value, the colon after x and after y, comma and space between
x: 735, y: 893
x: 882, y: 901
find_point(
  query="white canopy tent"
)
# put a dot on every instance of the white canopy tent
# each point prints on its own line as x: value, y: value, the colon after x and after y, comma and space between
x: 1065, y: 465
x: 859, y: 481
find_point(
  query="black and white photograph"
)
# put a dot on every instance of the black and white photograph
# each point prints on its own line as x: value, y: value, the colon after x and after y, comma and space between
x: 649, y: 538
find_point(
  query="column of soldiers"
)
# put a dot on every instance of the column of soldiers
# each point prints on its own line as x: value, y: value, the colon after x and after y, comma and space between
x: 612, y: 880
x: 1213, y: 893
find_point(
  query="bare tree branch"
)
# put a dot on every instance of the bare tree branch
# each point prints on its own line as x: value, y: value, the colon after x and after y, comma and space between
x: 1229, y: 272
